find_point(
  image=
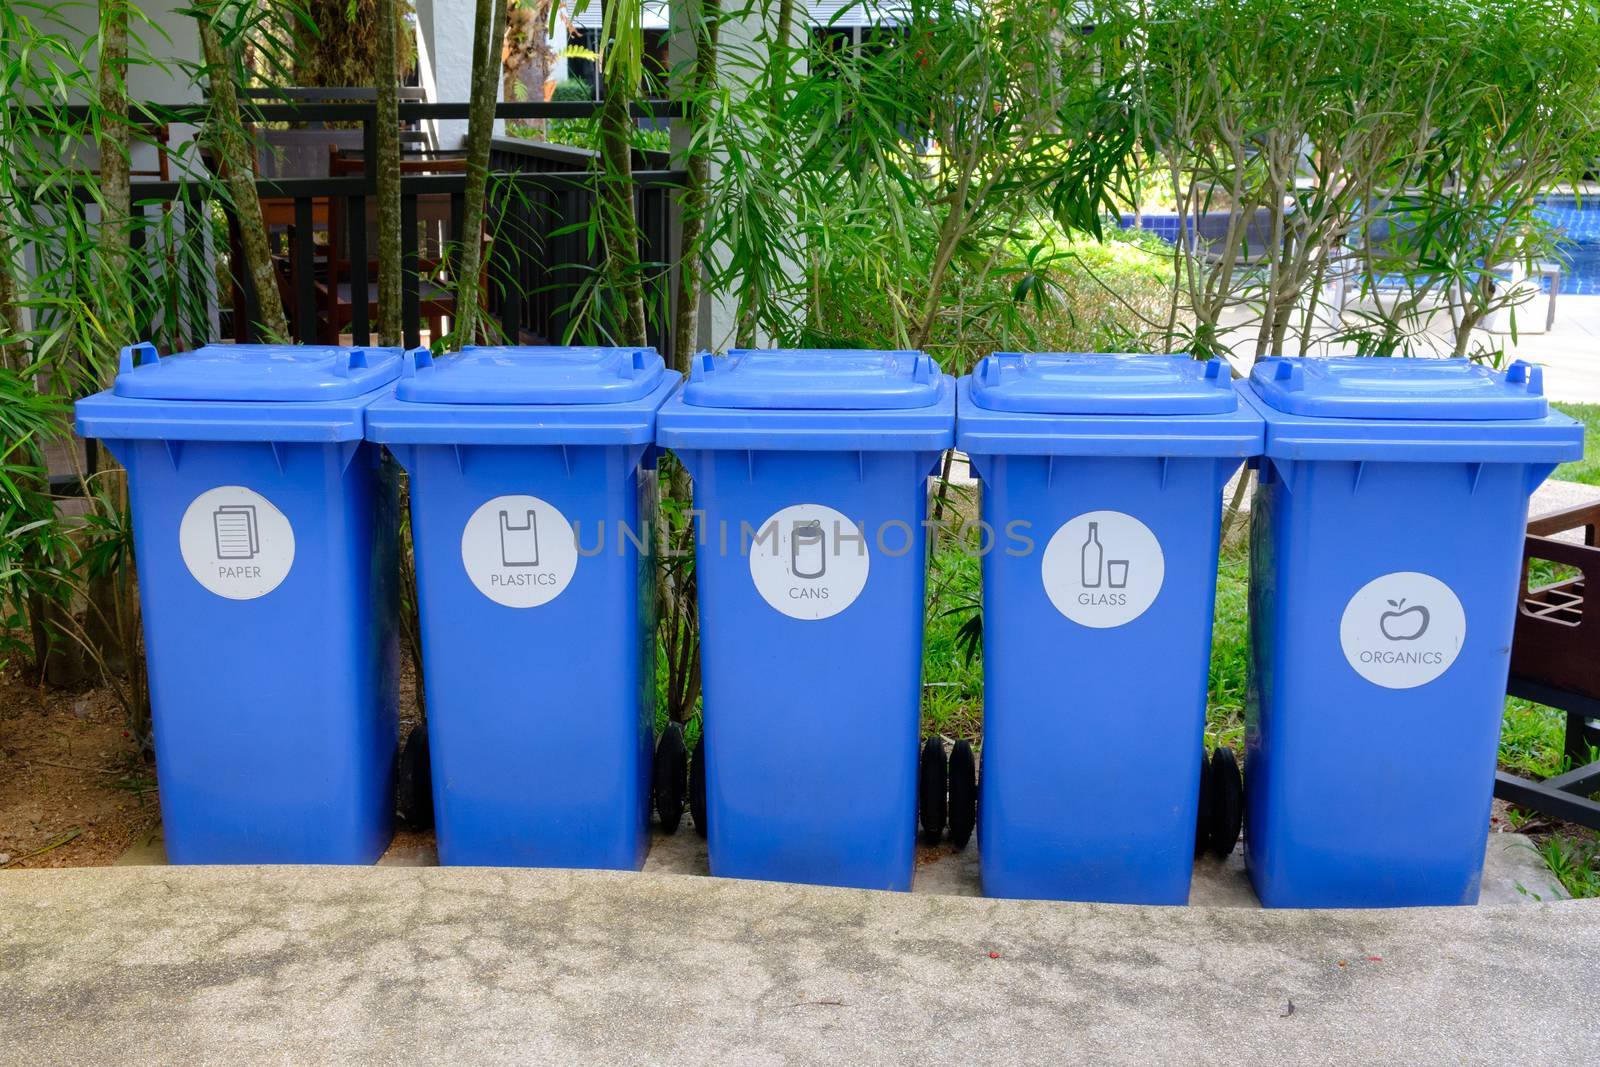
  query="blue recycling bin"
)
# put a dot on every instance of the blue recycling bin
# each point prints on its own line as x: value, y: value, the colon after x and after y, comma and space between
x: 531, y: 472
x: 1387, y: 535
x: 1102, y: 478
x: 264, y: 528
x: 810, y: 476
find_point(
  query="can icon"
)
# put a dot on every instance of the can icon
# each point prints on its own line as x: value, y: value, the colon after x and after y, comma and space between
x: 808, y: 557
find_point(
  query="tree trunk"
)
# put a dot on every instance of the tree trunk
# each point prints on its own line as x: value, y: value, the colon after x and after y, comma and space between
x: 115, y: 193
x: 13, y: 350
x: 527, y: 56
x: 618, y: 225
x: 238, y: 172
x: 779, y: 63
x: 781, y: 58
x: 487, y: 41
x: 681, y: 624
x: 692, y: 205
x: 387, y: 137
x: 115, y: 293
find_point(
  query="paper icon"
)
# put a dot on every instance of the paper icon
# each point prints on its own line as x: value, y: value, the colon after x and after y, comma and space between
x: 234, y: 527
x: 519, y: 542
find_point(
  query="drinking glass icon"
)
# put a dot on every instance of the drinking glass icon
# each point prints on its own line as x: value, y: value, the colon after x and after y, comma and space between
x: 808, y: 557
x: 519, y: 542
x: 1117, y: 573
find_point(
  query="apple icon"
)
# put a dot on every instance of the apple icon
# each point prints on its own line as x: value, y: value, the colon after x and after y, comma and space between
x: 1403, y: 623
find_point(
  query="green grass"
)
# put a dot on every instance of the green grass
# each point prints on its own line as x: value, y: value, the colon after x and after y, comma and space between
x: 1531, y: 738
x: 1230, y: 651
x: 953, y: 681
x: 1575, y: 860
x: 952, y: 670
x: 1587, y: 469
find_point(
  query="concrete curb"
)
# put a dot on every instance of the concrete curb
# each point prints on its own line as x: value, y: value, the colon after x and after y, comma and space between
x: 297, y: 964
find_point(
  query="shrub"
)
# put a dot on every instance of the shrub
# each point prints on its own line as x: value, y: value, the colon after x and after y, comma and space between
x: 572, y: 89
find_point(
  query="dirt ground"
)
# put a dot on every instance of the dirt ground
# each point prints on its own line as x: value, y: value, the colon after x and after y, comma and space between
x: 74, y: 790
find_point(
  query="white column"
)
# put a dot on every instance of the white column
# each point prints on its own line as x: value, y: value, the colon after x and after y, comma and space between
x: 742, y: 46
x: 444, y: 48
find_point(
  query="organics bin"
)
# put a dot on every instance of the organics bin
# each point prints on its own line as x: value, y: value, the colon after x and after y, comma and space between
x: 810, y: 471
x: 1387, y: 541
x: 264, y: 529
x: 535, y: 591
x: 1102, y: 478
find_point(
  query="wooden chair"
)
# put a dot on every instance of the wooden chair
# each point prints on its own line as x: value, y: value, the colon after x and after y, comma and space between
x: 435, y: 290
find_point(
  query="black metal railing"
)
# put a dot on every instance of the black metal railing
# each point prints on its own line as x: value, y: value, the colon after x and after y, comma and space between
x: 541, y: 256
x: 540, y: 261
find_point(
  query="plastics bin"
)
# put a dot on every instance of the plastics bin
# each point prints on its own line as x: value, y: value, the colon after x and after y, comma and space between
x: 811, y: 473
x: 535, y: 589
x: 264, y: 528
x: 1102, y: 478
x: 1387, y: 542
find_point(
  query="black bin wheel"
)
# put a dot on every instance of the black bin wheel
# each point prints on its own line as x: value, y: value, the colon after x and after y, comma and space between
x: 697, y: 785
x: 963, y: 794
x: 670, y: 775
x: 933, y: 774
x: 1202, y: 817
x: 1227, y: 802
x: 414, y: 781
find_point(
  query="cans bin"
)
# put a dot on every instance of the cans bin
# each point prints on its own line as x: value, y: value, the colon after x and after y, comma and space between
x: 1387, y: 540
x: 1102, y: 478
x: 530, y: 470
x: 264, y: 530
x: 810, y: 472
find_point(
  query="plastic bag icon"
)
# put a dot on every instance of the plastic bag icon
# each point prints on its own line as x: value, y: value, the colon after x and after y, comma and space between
x: 519, y: 541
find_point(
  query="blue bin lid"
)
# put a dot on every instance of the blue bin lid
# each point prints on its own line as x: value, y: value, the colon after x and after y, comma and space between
x: 1408, y: 410
x: 814, y: 379
x: 524, y: 395
x: 1399, y: 387
x: 803, y: 400
x: 259, y: 373
x: 531, y: 374
x: 1102, y: 383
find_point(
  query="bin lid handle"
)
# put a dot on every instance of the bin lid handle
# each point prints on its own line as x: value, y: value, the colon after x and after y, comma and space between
x: 416, y: 360
x: 352, y: 359
x: 1524, y: 373
x: 142, y: 354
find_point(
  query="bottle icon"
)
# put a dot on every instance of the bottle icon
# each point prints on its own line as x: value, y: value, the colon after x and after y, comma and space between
x: 1093, y: 558
x: 808, y: 557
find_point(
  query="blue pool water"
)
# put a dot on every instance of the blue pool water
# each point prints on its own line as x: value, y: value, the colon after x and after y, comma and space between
x: 1580, y: 250
x: 1578, y: 219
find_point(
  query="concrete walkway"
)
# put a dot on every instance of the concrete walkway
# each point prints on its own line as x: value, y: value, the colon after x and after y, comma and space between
x: 443, y: 965
x: 1569, y: 351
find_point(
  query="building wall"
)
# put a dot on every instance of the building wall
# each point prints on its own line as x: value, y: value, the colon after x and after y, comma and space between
x: 173, y: 42
x: 444, y: 62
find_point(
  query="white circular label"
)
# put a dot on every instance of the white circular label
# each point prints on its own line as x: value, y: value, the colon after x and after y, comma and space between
x: 808, y: 561
x: 1403, y: 630
x: 519, y: 551
x: 236, y: 543
x: 1103, y: 569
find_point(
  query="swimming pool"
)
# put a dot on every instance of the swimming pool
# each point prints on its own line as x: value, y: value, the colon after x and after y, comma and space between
x: 1580, y: 250
x: 1578, y: 218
